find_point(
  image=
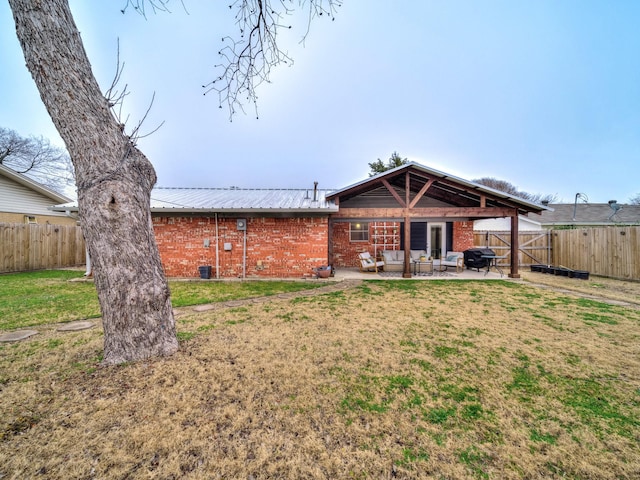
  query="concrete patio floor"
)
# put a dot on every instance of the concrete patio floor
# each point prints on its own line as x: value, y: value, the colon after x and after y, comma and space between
x: 450, y: 274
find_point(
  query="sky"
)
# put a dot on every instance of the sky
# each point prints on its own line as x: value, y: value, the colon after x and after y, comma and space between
x: 544, y: 94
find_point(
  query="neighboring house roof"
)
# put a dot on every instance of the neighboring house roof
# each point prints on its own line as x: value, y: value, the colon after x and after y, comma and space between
x: 236, y: 200
x: 446, y: 187
x: 589, y: 214
x: 20, y: 194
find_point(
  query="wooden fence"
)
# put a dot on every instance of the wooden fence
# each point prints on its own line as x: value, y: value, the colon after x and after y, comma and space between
x: 35, y: 247
x: 534, y: 246
x: 608, y: 251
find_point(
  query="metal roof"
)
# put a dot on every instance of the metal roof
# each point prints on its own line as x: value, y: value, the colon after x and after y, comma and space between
x: 233, y: 199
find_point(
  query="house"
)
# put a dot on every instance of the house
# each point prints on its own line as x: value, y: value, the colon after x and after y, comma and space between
x: 281, y: 233
x: 581, y: 215
x: 23, y: 200
x: 504, y: 224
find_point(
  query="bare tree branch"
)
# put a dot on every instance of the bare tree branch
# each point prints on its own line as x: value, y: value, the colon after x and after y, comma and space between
x: 36, y: 158
x: 154, y: 5
x: 115, y: 98
x: 247, y: 61
x: 135, y: 135
x: 511, y: 189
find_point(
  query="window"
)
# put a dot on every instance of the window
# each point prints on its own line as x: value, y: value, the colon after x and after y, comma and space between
x: 359, y: 231
x: 30, y: 219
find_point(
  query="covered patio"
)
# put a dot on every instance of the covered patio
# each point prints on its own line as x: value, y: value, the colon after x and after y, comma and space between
x: 420, y: 208
x: 350, y: 273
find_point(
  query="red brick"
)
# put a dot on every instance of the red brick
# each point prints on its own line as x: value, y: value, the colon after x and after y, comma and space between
x: 286, y: 247
x: 462, y: 236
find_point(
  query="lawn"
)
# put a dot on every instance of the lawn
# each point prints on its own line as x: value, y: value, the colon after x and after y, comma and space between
x: 54, y: 296
x: 390, y: 379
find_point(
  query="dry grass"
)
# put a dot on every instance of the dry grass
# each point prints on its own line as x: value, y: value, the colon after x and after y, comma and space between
x: 392, y: 379
x: 596, y: 286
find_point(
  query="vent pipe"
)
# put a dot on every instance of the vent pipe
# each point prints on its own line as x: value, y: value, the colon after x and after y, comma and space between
x: 582, y: 197
x: 315, y: 191
x: 615, y: 206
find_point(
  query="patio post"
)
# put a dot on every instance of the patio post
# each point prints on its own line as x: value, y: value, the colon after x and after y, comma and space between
x: 407, y: 226
x: 515, y: 247
x: 406, y: 273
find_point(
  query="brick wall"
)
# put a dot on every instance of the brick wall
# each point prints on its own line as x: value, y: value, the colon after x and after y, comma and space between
x: 276, y: 247
x: 462, y: 236
x: 345, y: 252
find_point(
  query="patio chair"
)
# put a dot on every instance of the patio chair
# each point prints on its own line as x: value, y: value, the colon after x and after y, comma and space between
x: 368, y: 263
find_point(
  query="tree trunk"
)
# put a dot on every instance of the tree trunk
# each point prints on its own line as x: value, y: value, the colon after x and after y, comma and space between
x: 114, y: 181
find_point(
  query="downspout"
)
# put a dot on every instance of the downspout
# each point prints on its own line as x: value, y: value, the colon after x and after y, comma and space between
x: 87, y: 258
x: 244, y: 255
x: 87, y: 273
x: 217, y: 248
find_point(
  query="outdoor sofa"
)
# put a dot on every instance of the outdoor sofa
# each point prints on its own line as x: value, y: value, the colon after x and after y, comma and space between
x: 394, y: 259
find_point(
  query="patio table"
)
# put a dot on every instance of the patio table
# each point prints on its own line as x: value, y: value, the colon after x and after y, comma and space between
x: 493, y: 259
x: 417, y: 267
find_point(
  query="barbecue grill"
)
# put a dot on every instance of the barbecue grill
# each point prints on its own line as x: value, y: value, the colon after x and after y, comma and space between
x: 473, y: 257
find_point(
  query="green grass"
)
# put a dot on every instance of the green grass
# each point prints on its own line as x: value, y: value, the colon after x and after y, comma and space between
x: 196, y: 293
x: 50, y: 296
x: 37, y: 298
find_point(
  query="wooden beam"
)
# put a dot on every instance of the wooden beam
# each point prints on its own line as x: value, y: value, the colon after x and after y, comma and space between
x: 393, y: 192
x: 514, y: 246
x: 428, y: 212
x: 421, y: 193
x: 406, y: 272
x: 407, y: 226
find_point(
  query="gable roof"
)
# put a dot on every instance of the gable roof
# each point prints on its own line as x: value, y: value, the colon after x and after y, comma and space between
x: 589, y: 214
x: 236, y: 200
x: 445, y: 187
x: 25, y: 181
